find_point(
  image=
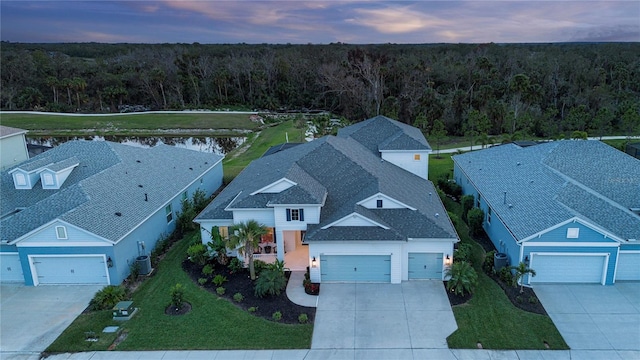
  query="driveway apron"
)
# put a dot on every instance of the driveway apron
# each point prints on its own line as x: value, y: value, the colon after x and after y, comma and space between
x: 411, y: 315
x: 594, y: 317
x: 33, y: 317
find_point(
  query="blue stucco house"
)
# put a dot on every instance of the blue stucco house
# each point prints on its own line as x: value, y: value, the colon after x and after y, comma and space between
x: 568, y: 208
x: 82, y: 212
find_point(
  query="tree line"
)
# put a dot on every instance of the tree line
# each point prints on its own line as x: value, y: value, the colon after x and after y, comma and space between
x: 476, y: 90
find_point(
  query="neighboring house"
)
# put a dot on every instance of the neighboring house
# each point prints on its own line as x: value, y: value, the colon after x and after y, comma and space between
x: 352, y: 207
x: 82, y: 212
x: 634, y: 150
x: 13, y: 147
x: 568, y: 208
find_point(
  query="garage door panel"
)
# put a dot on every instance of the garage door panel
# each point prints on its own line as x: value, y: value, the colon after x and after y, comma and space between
x: 425, y: 266
x: 11, y: 268
x: 628, y: 266
x: 70, y: 270
x: 567, y: 268
x: 355, y: 268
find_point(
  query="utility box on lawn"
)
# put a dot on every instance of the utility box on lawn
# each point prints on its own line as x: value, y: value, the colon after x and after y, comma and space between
x: 124, y: 310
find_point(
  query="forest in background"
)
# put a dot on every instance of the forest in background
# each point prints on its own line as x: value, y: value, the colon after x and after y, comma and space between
x: 522, y: 90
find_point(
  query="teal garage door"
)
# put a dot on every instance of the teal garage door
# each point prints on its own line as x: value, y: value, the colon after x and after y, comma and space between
x: 575, y: 268
x: 355, y: 268
x: 70, y: 269
x: 11, y: 268
x: 425, y: 266
x: 628, y: 266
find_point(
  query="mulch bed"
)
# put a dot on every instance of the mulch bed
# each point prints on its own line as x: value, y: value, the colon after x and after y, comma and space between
x: 240, y: 282
x: 172, y: 310
x: 456, y: 299
x: 527, y: 300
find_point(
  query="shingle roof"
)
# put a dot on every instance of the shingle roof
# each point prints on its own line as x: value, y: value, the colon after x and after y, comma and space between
x: 381, y: 133
x: 341, y: 172
x: 106, y: 181
x: 6, y: 131
x: 553, y: 182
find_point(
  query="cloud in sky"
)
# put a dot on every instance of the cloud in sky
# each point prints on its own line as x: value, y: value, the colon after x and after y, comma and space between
x: 288, y: 21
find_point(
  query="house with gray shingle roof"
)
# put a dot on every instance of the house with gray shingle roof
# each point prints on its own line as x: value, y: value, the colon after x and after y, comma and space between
x: 83, y: 212
x: 13, y: 146
x: 570, y: 209
x: 355, y: 207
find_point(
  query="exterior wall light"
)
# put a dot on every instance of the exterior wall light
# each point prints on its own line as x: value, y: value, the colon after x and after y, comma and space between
x: 447, y: 260
x: 109, y: 262
x: 314, y: 262
x: 526, y: 259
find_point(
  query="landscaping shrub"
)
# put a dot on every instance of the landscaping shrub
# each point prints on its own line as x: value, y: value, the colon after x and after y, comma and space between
x: 505, y: 275
x: 463, y: 278
x: 487, y: 265
x: 303, y: 318
x: 207, y: 270
x: 533, y: 300
x: 454, y: 218
x: 467, y: 204
x: 177, y: 295
x: 464, y: 252
x: 197, y: 253
x: 199, y: 200
x: 475, y: 218
x: 107, y: 298
x: 220, y: 290
x: 252, y: 309
x: 184, y: 222
x: 202, y: 281
x: 134, y: 270
x: 260, y: 265
x: 219, y: 279
x: 235, y: 265
x: 277, y: 316
x: 270, y: 282
x: 237, y: 297
x: 218, y: 247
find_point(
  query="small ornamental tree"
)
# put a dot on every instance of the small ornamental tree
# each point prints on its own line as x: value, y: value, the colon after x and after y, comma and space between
x: 467, y: 204
x: 218, y: 247
x: 177, y: 295
x: 246, y: 237
x: 520, y: 271
x: 463, y: 278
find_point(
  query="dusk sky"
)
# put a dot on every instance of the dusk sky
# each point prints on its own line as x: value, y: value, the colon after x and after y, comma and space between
x: 319, y: 22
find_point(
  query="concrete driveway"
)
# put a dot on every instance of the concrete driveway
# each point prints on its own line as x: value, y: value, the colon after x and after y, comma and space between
x: 594, y: 317
x: 33, y: 317
x: 411, y: 315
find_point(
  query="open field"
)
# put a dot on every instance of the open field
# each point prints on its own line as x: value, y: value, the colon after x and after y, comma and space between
x: 193, y: 123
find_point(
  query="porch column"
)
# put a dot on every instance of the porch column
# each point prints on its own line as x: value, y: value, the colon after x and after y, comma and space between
x: 279, y: 234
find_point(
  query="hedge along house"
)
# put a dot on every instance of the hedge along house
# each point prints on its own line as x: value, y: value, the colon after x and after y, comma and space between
x: 82, y: 212
x: 568, y: 208
x: 356, y: 207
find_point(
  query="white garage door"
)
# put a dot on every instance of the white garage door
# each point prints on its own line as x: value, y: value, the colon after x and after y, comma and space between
x: 69, y: 269
x: 564, y: 268
x: 628, y: 266
x: 11, y: 268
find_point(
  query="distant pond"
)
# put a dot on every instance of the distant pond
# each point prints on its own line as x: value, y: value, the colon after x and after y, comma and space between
x: 216, y: 145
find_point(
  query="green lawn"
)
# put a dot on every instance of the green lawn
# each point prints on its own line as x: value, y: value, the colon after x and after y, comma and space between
x: 213, y: 323
x: 125, y: 124
x: 257, y: 144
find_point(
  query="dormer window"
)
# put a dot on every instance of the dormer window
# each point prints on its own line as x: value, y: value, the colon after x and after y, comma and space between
x: 61, y: 232
x: 47, y: 179
x: 20, y: 179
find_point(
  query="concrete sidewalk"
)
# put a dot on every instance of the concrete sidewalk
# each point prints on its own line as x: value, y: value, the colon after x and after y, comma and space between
x: 338, y: 354
x: 295, y: 291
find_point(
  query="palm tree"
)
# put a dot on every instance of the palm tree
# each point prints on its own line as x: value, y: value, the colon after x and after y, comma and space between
x: 521, y: 270
x: 246, y: 237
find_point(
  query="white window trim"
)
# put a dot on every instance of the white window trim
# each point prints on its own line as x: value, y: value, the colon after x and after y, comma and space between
x: 297, y: 214
x: 169, y: 213
x: 64, y: 233
x: 21, y: 180
x: 47, y: 179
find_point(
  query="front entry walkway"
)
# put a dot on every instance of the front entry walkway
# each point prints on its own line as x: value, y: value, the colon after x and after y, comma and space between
x: 411, y: 315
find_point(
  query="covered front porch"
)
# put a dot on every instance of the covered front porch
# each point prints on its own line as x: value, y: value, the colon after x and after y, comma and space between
x: 291, y: 249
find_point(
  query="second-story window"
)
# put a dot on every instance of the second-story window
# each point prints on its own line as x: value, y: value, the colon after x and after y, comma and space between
x: 295, y: 214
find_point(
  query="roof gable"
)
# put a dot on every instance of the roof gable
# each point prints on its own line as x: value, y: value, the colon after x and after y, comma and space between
x: 355, y: 219
x: 276, y: 186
